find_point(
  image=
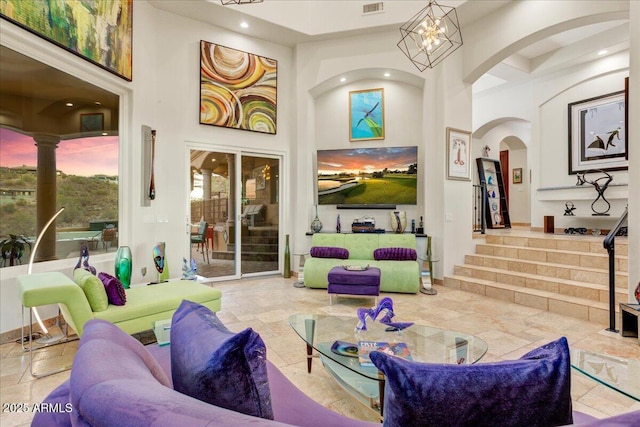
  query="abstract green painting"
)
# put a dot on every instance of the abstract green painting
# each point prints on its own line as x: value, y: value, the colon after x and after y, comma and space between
x: 99, y: 31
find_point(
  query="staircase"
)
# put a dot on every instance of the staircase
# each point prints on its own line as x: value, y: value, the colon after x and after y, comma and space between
x: 258, y: 244
x: 558, y: 273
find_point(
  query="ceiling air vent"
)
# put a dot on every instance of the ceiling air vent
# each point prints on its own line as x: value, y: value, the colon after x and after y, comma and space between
x: 372, y: 8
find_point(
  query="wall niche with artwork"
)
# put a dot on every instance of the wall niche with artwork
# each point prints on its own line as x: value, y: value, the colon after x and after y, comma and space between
x: 496, y: 208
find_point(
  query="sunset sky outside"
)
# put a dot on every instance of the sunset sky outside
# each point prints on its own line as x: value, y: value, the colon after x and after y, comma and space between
x: 366, y: 159
x: 83, y: 156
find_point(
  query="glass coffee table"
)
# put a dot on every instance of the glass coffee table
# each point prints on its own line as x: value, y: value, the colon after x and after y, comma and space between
x: 617, y: 373
x: 366, y: 383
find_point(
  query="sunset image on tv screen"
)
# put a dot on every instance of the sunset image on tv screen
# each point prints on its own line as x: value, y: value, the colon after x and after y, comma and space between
x: 368, y: 176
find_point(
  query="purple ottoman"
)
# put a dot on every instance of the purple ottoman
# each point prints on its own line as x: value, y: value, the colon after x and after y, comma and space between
x: 350, y: 282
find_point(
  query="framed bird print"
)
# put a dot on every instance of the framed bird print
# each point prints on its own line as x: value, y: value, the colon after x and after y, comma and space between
x: 598, y: 134
x: 458, y: 154
x: 366, y: 114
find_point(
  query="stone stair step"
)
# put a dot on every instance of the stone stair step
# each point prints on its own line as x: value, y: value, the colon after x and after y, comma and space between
x: 591, y: 244
x: 592, y: 291
x: 557, y: 256
x: 581, y: 308
x: 547, y: 269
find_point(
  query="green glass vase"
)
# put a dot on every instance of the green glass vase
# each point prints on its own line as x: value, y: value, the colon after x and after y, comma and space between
x: 287, y: 259
x: 124, y: 266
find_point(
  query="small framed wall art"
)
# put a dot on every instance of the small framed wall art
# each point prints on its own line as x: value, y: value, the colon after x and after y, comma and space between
x: 517, y: 175
x: 366, y: 114
x: 598, y: 134
x: 458, y: 154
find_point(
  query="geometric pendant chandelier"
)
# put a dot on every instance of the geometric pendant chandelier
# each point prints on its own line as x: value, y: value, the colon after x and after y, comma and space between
x: 431, y: 35
x: 226, y: 2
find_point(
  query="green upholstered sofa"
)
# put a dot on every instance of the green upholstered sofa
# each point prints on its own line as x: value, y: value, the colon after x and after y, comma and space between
x: 395, y: 276
x: 145, y: 304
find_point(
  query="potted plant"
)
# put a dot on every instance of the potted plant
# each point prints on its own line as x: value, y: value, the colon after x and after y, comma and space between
x: 12, y: 249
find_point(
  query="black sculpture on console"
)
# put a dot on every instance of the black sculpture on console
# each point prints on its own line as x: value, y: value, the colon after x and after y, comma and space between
x: 570, y: 207
x: 600, y: 184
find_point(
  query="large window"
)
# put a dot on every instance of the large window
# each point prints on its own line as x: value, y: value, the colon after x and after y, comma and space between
x: 58, y: 148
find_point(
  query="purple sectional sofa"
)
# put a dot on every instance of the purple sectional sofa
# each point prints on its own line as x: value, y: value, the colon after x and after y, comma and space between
x: 115, y: 381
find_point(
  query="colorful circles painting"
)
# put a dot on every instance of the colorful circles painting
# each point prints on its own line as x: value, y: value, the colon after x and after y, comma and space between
x: 237, y: 89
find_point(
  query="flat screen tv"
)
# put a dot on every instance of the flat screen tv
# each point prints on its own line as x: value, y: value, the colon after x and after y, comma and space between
x: 366, y: 177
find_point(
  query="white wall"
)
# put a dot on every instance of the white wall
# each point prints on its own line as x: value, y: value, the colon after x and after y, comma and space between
x: 552, y: 125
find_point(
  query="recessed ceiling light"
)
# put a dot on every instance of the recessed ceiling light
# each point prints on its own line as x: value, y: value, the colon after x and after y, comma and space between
x: 387, y: 74
x: 98, y: 103
x: 69, y: 104
x: 244, y: 25
x: 603, y: 52
x: 343, y: 79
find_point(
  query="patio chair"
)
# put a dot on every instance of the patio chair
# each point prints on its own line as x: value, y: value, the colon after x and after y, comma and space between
x: 200, y: 239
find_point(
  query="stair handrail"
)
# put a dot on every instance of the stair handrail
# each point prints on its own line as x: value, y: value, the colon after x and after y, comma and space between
x: 609, y: 240
x: 609, y: 245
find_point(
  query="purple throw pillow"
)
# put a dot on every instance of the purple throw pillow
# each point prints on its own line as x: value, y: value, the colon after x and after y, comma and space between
x: 217, y: 366
x: 534, y: 390
x: 115, y: 290
x: 395, y: 254
x: 329, y: 252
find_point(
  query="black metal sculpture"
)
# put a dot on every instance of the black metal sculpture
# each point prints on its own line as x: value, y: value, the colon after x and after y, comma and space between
x: 570, y: 207
x: 600, y: 184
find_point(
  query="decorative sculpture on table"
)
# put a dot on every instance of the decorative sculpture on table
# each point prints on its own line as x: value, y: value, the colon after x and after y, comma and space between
x: 569, y: 208
x: 83, y: 260
x: 189, y: 269
x: 316, y: 225
x: 160, y: 262
x: 398, y: 221
x: 600, y: 184
x: 385, y: 306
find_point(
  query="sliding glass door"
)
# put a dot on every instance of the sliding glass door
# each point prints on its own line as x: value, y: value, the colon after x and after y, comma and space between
x: 235, y: 213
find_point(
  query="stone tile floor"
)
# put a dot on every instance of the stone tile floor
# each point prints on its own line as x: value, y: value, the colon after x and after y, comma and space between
x: 265, y: 303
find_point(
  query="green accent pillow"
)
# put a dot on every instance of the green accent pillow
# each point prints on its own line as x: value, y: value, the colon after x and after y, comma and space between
x: 93, y: 289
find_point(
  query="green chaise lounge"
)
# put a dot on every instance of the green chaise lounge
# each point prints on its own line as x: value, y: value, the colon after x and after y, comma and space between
x: 145, y: 304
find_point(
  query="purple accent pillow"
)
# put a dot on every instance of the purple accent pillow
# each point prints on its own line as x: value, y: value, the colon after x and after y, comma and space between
x: 395, y: 254
x: 329, y: 252
x: 534, y: 390
x: 217, y: 366
x: 115, y: 290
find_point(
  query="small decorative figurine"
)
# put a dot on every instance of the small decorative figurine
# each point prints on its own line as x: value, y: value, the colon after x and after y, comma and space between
x: 569, y: 209
x: 386, y: 306
x: 83, y: 261
x: 159, y: 262
x: 189, y: 270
